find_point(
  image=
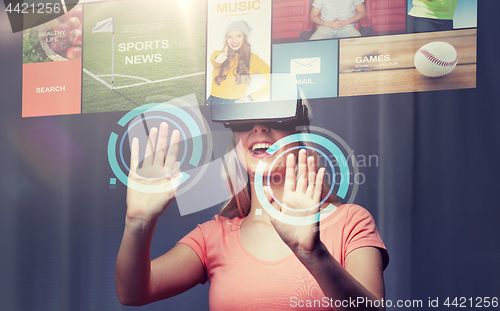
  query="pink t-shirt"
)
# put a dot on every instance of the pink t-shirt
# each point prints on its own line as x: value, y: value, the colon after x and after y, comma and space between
x: 241, y: 281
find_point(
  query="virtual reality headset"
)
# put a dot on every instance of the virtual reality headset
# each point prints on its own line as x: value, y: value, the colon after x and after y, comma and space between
x: 285, y: 109
x: 283, y: 115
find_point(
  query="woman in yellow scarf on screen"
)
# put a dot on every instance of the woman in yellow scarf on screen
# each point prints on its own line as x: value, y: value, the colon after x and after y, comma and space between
x: 234, y: 66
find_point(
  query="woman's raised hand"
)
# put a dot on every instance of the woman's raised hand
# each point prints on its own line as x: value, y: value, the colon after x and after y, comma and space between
x: 301, y: 198
x: 153, y: 185
x: 222, y: 56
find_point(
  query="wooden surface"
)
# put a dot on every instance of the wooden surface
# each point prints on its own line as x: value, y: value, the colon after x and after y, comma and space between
x: 398, y: 75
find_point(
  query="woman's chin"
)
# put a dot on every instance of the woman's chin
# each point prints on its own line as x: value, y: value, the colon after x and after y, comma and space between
x: 276, y: 170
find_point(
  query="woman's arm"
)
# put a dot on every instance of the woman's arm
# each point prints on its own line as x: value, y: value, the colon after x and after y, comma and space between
x: 362, y: 277
x: 138, y: 279
x: 361, y: 280
x: 219, y: 57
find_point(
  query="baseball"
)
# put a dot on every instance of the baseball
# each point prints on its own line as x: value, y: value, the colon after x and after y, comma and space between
x: 436, y: 59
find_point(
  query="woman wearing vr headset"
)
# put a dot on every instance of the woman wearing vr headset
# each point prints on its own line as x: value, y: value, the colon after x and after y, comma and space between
x: 252, y: 260
x: 233, y: 67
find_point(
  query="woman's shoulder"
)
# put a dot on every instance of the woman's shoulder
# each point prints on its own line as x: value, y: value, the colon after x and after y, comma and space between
x: 222, y: 220
x: 354, y: 209
x: 218, y: 223
x: 350, y: 208
x: 351, y: 226
x: 347, y: 215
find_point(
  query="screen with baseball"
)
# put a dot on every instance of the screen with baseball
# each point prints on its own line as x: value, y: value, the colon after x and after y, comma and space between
x: 408, y: 63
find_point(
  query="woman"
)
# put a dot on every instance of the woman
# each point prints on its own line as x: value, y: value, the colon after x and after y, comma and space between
x: 233, y: 67
x: 431, y: 15
x: 252, y: 261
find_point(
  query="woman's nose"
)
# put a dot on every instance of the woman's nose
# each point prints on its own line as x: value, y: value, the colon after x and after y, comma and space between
x: 261, y: 128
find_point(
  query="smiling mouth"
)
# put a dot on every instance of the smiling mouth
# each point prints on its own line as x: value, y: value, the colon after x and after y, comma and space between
x: 259, y: 149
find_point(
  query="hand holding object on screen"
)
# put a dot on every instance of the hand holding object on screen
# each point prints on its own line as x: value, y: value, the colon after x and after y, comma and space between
x: 222, y: 56
x: 159, y: 168
x: 304, y: 197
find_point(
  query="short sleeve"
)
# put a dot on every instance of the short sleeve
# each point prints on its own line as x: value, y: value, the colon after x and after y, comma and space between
x: 356, y: 2
x: 361, y: 231
x: 318, y: 4
x: 197, y: 240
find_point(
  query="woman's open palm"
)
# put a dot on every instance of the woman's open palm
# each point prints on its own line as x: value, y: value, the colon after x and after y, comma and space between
x: 153, y: 185
x: 301, y: 198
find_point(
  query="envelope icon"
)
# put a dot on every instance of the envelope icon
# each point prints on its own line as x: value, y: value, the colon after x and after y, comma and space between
x: 305, y: 65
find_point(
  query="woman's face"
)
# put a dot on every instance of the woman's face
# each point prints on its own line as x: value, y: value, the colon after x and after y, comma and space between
x: 252, y: 146
x: 234, y: 39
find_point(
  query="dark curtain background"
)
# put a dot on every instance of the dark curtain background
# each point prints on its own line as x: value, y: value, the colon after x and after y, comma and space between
x: 434, y: 191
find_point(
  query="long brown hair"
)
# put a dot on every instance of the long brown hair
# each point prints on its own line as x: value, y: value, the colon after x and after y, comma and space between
x: 241, y: 71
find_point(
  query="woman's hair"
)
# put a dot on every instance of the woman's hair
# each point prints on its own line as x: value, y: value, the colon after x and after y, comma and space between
x: 241, y: 71
x: 238, y: 178
x: 240, y: 203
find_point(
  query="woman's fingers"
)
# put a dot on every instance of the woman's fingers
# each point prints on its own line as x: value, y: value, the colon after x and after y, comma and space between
x: 290, y: 173
x: 134, y: 155
x: 222, y: 56
x: 309, y: 182
x: 173, y: 149
x: 151, y: 146
x: 157, y: 152
x: 311, y: 177
x: 161, y: 145
x: 318, y: 188
x: 302, y: 172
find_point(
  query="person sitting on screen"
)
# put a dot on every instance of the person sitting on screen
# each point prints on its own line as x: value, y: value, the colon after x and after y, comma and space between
x: 337, y: 18
x: 234, y: 65
x: 431, y: 15
x: 252, y: 260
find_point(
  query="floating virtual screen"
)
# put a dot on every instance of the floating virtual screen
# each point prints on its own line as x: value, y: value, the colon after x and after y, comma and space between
x: 104, y: 56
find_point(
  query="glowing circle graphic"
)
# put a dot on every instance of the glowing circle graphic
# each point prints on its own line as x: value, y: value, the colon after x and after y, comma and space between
x: 325, y: 143
x: 194, y: 133
x: 295, y: 148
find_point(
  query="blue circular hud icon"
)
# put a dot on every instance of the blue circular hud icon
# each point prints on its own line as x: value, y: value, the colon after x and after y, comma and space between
x: 330, y: 147
x: 190, y: 127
